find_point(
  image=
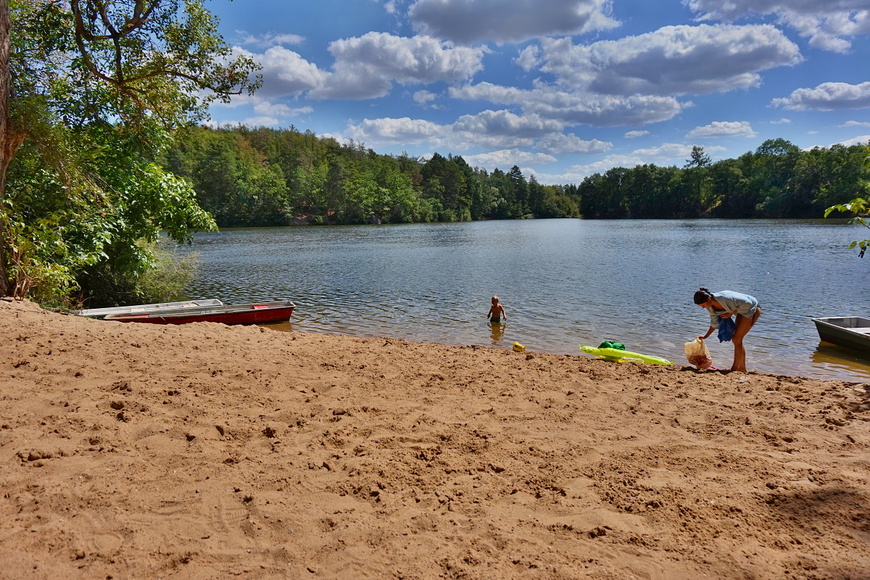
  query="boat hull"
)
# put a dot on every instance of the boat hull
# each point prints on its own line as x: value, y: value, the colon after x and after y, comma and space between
x: 255, y: 313
x: 846, y: 331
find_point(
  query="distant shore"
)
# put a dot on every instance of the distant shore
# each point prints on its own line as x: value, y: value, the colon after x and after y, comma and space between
x: 201, y: 450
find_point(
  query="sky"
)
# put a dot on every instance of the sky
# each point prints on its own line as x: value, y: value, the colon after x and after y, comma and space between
x: 563, y: 89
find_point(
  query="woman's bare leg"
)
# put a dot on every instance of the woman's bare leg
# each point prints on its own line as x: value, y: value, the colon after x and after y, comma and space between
x: 743, y: 326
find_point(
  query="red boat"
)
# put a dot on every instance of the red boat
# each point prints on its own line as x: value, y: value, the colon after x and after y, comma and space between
x: 256, y: 313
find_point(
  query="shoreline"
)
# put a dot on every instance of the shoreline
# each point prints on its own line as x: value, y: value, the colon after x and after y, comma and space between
x: 203, y: 450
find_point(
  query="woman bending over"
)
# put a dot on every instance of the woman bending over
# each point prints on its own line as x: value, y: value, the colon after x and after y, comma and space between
x: 723, y: 305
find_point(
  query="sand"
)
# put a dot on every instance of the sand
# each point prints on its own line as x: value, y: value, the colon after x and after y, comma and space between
x: 208, y: 451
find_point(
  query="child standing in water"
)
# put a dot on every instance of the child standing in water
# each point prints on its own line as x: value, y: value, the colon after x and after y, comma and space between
x: 496, y: 312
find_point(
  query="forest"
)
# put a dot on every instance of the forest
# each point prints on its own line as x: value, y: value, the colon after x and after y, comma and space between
x: 271, y: 177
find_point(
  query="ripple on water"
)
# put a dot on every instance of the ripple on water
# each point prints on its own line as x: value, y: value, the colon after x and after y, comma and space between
x: 563, y: 283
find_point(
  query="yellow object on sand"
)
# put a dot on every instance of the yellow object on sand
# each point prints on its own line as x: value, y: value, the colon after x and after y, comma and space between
x: 617, y: 355
x: 519, y: 348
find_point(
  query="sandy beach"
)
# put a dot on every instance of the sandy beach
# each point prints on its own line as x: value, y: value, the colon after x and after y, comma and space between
x: 205, y: 451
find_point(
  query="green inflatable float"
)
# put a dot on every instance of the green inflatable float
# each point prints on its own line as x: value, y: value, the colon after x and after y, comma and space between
x: 619, y: 355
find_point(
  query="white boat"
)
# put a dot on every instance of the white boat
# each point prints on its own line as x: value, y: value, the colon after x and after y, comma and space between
x: 847, y: 331
x: 255, y: 313
x: 145, y: 308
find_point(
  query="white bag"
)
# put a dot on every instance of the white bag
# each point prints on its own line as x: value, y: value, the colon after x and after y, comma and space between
x: 698, y: 354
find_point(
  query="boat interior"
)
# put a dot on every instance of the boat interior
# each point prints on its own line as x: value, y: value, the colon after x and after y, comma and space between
x: 854, y: 323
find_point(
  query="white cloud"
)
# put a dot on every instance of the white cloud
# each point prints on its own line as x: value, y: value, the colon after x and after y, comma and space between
x: 261, y: 121
x: 286, y: 73
x: 567, y: 143
x: 826, y: 23
x: 674, y: 60
x: 280, y: 110
x: 720, y: 129
x: 861, y: 140
x: 664, y: 155
x: 856, y: 124
x: 396, y: 131
x: 470, y: 21
x: 269, y: 113
x: 827, y: 97
x: 507, y: 158
x: 636, y: 134
x: 575, y: 108
x: 506, y: 123
x: 269, y: 39
x: 529, y: 57
x: 366, y: 66
x: 567, y: 177
x: 415, y: 59
x: 498, y: 130
x: 424, y: 97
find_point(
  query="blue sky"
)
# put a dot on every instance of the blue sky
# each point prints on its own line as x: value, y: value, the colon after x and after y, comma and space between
x: 561, y: 88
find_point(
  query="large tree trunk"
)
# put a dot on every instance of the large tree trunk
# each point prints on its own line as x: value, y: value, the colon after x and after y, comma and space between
x: 10, y: 137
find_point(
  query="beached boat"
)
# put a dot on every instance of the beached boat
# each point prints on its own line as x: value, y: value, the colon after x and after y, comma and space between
x: 143, y: 308
x: 255, y: 313
x: 848, y: 331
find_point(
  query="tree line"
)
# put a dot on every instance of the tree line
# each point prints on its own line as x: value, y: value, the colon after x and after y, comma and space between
x: 268, y: 177
x: 777, y: 180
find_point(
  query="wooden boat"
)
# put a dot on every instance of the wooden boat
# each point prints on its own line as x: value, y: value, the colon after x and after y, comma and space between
x: 142, y: 308
x: 255, y: 313
x: 847, y: 331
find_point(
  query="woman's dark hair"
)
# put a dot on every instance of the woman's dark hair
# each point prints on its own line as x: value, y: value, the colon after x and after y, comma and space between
x: 702, y: 296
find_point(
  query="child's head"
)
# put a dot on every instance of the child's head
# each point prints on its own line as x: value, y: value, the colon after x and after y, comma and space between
x: 495, y: 299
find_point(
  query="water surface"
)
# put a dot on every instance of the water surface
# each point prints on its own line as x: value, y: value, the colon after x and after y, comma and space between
x: 563, y: 283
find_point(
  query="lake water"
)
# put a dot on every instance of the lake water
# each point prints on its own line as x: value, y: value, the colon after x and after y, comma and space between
x: 563, y: 283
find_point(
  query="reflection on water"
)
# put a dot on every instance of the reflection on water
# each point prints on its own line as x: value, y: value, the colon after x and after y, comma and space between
x: 497, y: 332
x: 562, y: 282
x: 848, y: 360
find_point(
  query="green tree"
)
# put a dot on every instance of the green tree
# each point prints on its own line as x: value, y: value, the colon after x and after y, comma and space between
x: 501, y: 192
x: 697, y: 165
x: 683, y: 194
x: 80, y: 78
x: 833, y: 174
x: 773, y: 168
x: 63, y: 238
x: 482, y: 194
x: 445, y: 179
x: 726, y: 183
x: 238, y: 176
x: 605, y: 196
x: 698, y: 158
x: 860, y: 208
x: 738, y: 189
x: 520, y: 191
